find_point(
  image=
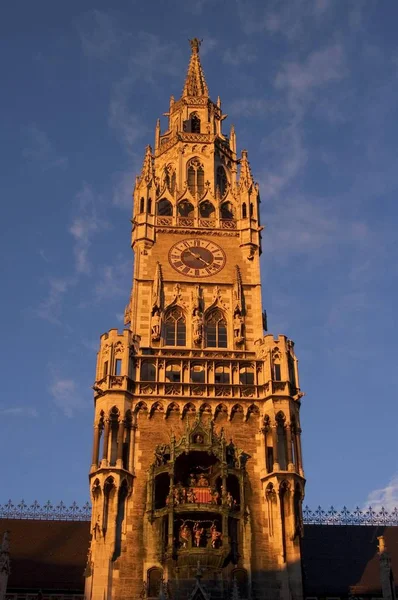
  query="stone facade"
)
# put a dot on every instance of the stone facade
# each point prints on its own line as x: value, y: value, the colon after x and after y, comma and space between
x: 196, y: 471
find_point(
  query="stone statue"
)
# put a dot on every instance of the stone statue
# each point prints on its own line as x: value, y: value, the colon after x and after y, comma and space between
x: 216, y: 536
x: 185, y: 535
x: 198, y: 533
x: 155, y: 325
x: 197, y: 322
x: 238, y: 328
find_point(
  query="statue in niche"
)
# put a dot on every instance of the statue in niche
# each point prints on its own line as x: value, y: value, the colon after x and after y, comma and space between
x: 185, y: 535
x: 162, y: 452
x: 202, y: 481
x: 198, y: 533
x: 238, y: 328
x: 191, y: 498
x: 215, y: 496
x: 198, y: 439
x: 231, y: 454
x: 155, y: 325
x: 197, y: 323
x: 216, y: 536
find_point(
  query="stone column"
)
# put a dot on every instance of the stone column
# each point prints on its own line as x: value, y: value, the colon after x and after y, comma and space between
x: 276, y: 466
x: 120, y: 437
x: 106, y: 443
x: 97, y: 432
x: 290, y: 465
x: 299, y: 457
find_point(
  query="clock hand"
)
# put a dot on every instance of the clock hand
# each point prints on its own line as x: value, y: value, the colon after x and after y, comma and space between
x: 198, y: 257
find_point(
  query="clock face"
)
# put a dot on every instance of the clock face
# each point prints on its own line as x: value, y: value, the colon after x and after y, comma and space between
x: 197, y: 258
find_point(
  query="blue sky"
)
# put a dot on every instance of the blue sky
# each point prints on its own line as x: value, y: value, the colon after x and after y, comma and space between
x: 311, y: 87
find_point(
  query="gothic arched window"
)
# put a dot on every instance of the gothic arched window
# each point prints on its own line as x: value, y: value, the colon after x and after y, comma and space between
x: 222, y: 374
x: 173, y: 372
x: 221, y: 180
x: 174, y: 328
x: 195, y: 123
x: 246, y: 375
x: 227, y: 211
x: 196, y: 177
x: 164, y: 208
x: 206, y: 210
x: 216, y: 330
x: 185, y: 209
x: 142, y: 205
x: 244, y: 211
x: 148, y: 370
x: 197, y: 373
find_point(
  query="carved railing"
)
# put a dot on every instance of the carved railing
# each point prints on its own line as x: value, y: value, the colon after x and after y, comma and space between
x: 350, y: 517
x: 45, y: 512
x: 74, y: 512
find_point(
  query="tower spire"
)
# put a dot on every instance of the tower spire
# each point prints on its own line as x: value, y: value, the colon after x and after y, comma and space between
x: 195, y: 82
x: 147, y: 171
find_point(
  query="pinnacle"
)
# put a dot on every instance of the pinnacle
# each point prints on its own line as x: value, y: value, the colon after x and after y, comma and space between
x: 195, y: 82
x: 246, y: 177
x: 147, y: 166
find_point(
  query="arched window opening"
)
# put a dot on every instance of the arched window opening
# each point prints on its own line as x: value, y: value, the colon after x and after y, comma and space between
x: 240, y: 576
x: 292, y: 375
x: 154, y: 582
x: 281, y: 441
x: 173, y: 372
x: 164, y: 208
x: 175, y: 329
x: 206, y: 210
x: 244, y: 211
x: 246, y: 375
x: 109, y: 491
x: 276, y: 375
x: 149, y: 206
x: 195, y: 123
x: 121, y: 511
x: 114, y: 426
x: 185, y: 209
x: 227, y: 212
x: 216, y: 330
x: 142, y: 205
x: 197, y: 374
x: 233, y: 491
x: 283, y: 489
x: 222, y: 374
x: 298, y: 522
x: 148, y: 370
x: 170, y: 178
x: 101, y: 425
x: 196, y: 178
x: 251, y: 209
x: 127, y: 440
x: 162, y: 488
x: 221, y: 181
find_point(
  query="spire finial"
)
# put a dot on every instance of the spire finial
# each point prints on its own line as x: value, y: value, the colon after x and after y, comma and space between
x: 195, y: 45
x: 195, y: 83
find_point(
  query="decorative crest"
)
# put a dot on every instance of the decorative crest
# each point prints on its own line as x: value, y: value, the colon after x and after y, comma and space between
x: 195, y: 83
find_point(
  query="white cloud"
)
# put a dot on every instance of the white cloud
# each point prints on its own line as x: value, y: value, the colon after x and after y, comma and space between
x: 321, y: 67
x: 386, y: 497
x: 114, y: 280
x: 50, y: 308
x: 252, y: 107
x: 65, y: 396
x: 124, y: 185
x: 277, y: 17
x: 100, y: 34
x: 16, y: 411
x: 124, y: 121
x: 40, y: 149
x: 85, y: 225
x: 239, y: 55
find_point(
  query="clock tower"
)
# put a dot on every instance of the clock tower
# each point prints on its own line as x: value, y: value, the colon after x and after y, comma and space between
x: 196, y: 478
